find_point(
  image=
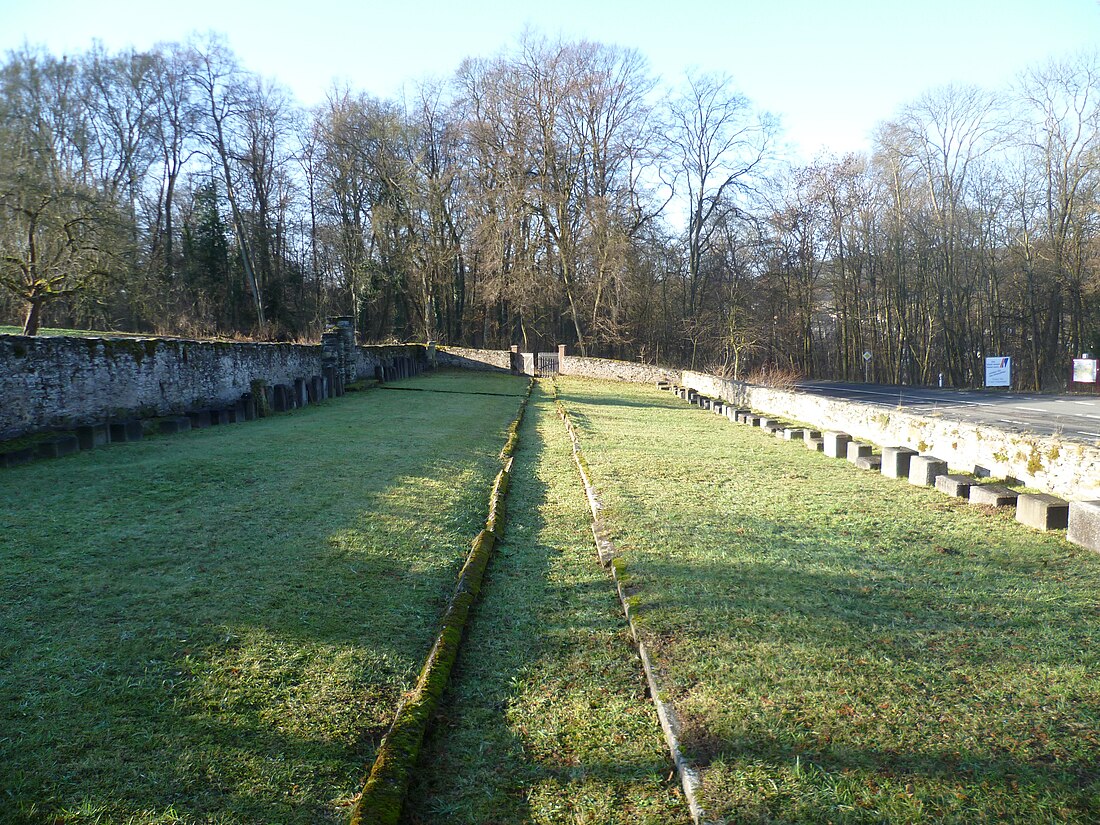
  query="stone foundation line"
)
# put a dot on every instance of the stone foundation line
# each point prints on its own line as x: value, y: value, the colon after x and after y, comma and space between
x: 263, y: 400
x: 383, y: 794
x: 1039, y: 511
x: 670, y: 724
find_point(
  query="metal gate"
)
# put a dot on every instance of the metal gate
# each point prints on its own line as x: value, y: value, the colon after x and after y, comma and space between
x: 546, y: 364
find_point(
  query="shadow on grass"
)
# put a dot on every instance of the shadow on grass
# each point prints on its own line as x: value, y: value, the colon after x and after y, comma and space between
x: 221, y: 624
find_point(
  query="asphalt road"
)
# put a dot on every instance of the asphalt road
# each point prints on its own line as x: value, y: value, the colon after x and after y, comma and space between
x: 1074, y: 417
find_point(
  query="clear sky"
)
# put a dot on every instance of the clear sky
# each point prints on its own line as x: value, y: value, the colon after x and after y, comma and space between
x: 831, y: 69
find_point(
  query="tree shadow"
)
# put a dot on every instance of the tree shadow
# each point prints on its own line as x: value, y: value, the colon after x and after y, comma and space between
x: 222, y: 625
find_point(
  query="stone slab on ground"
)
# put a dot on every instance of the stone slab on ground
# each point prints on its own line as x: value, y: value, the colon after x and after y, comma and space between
x: 12, y: 458
x: 869, y: 462
x: 282, y: 398
x: 925, y: 469
x: 221, y: 416
x: 816, y: 444
x: 857, y: 449
x: 123, y: 431
x: 764, y: 422
x: 1042, y: 511
x: 59, y: 446
x: 895, y: 461
x: 91, y: 436
x: 836, y: 444
x: 808, y: 434
x: 200, y: 419
x: 1084, y: 524
x: 993, y: 495
x: 955, y: 485
x: 176, y: 424
x: 793, y: 433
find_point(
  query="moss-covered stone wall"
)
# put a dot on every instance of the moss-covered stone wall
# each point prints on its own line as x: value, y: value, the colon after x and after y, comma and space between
x: 58, y: 382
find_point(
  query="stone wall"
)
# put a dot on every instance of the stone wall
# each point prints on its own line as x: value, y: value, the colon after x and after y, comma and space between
x: 474, y: 359
x: 609, y: 369
x: 58, y: 383
x: 1066, y: 468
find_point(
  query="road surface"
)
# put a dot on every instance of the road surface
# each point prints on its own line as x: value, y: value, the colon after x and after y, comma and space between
x: 1073, y: 417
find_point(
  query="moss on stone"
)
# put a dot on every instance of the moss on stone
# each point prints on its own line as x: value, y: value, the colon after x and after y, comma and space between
x: 258, y: 388
x: 381, y: 801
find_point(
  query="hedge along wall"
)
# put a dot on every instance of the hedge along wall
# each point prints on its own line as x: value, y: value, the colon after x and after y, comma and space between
x: 56, y: 383
x: 1066, y: 468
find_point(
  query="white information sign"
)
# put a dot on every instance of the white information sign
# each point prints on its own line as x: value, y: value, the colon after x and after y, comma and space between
x: 1084, y: 370
x: 998, y: 371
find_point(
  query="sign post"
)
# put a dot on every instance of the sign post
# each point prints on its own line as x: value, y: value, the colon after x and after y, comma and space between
x: 867, y: 366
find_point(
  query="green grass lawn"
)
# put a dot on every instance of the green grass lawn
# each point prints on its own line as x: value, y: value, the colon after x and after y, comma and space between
x: 216, y: 627
x: 844, y: 647
x: 547, y: 718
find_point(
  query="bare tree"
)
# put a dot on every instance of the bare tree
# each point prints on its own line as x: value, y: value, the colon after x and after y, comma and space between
x: 717, y: 143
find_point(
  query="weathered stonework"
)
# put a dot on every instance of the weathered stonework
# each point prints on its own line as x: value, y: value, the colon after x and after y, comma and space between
x: 1065, y: 468
x: 61, y: 383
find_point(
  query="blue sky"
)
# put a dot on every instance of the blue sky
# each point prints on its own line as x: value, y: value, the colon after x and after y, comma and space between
x: 831, y: 69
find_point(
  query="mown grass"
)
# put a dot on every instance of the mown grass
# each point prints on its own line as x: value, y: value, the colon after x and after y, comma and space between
x: 844, y: 647
x: 216, y: 627
x: 546, y: 719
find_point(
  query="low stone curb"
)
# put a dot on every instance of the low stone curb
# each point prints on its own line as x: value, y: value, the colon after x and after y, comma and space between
x: 608, y: 555
x: 383, y: 794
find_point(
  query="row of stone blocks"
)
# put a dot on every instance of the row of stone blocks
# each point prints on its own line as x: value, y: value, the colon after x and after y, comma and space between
x: 402, y: 367
x: 279, y: 398
x: 1041, y: 511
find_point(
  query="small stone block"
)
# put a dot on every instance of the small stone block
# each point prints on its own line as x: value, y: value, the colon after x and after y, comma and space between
x: 91, y: 436
x: 957, y: 486
x: 1042, y: 511
x: 123, y: 431
x: 753, y: 420
x: 57, y: 447
x: 836, y: 444
x: 993, y: 495
x: 808, y: 434
x: 11, y: 458
x: 316, y: 389
x: 301, y: 394
x: 925, y: 469
x: 200, y: 419
x: 793, y: 434
x: 221, y: 416
x: 858, y: 450
x: 764, y: 423
x: 178, y: 424
x: 281, y: 400
x: 1084, y: 524
x: 815, y: 444
x: 895, y: 461
x: 869, y: 462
